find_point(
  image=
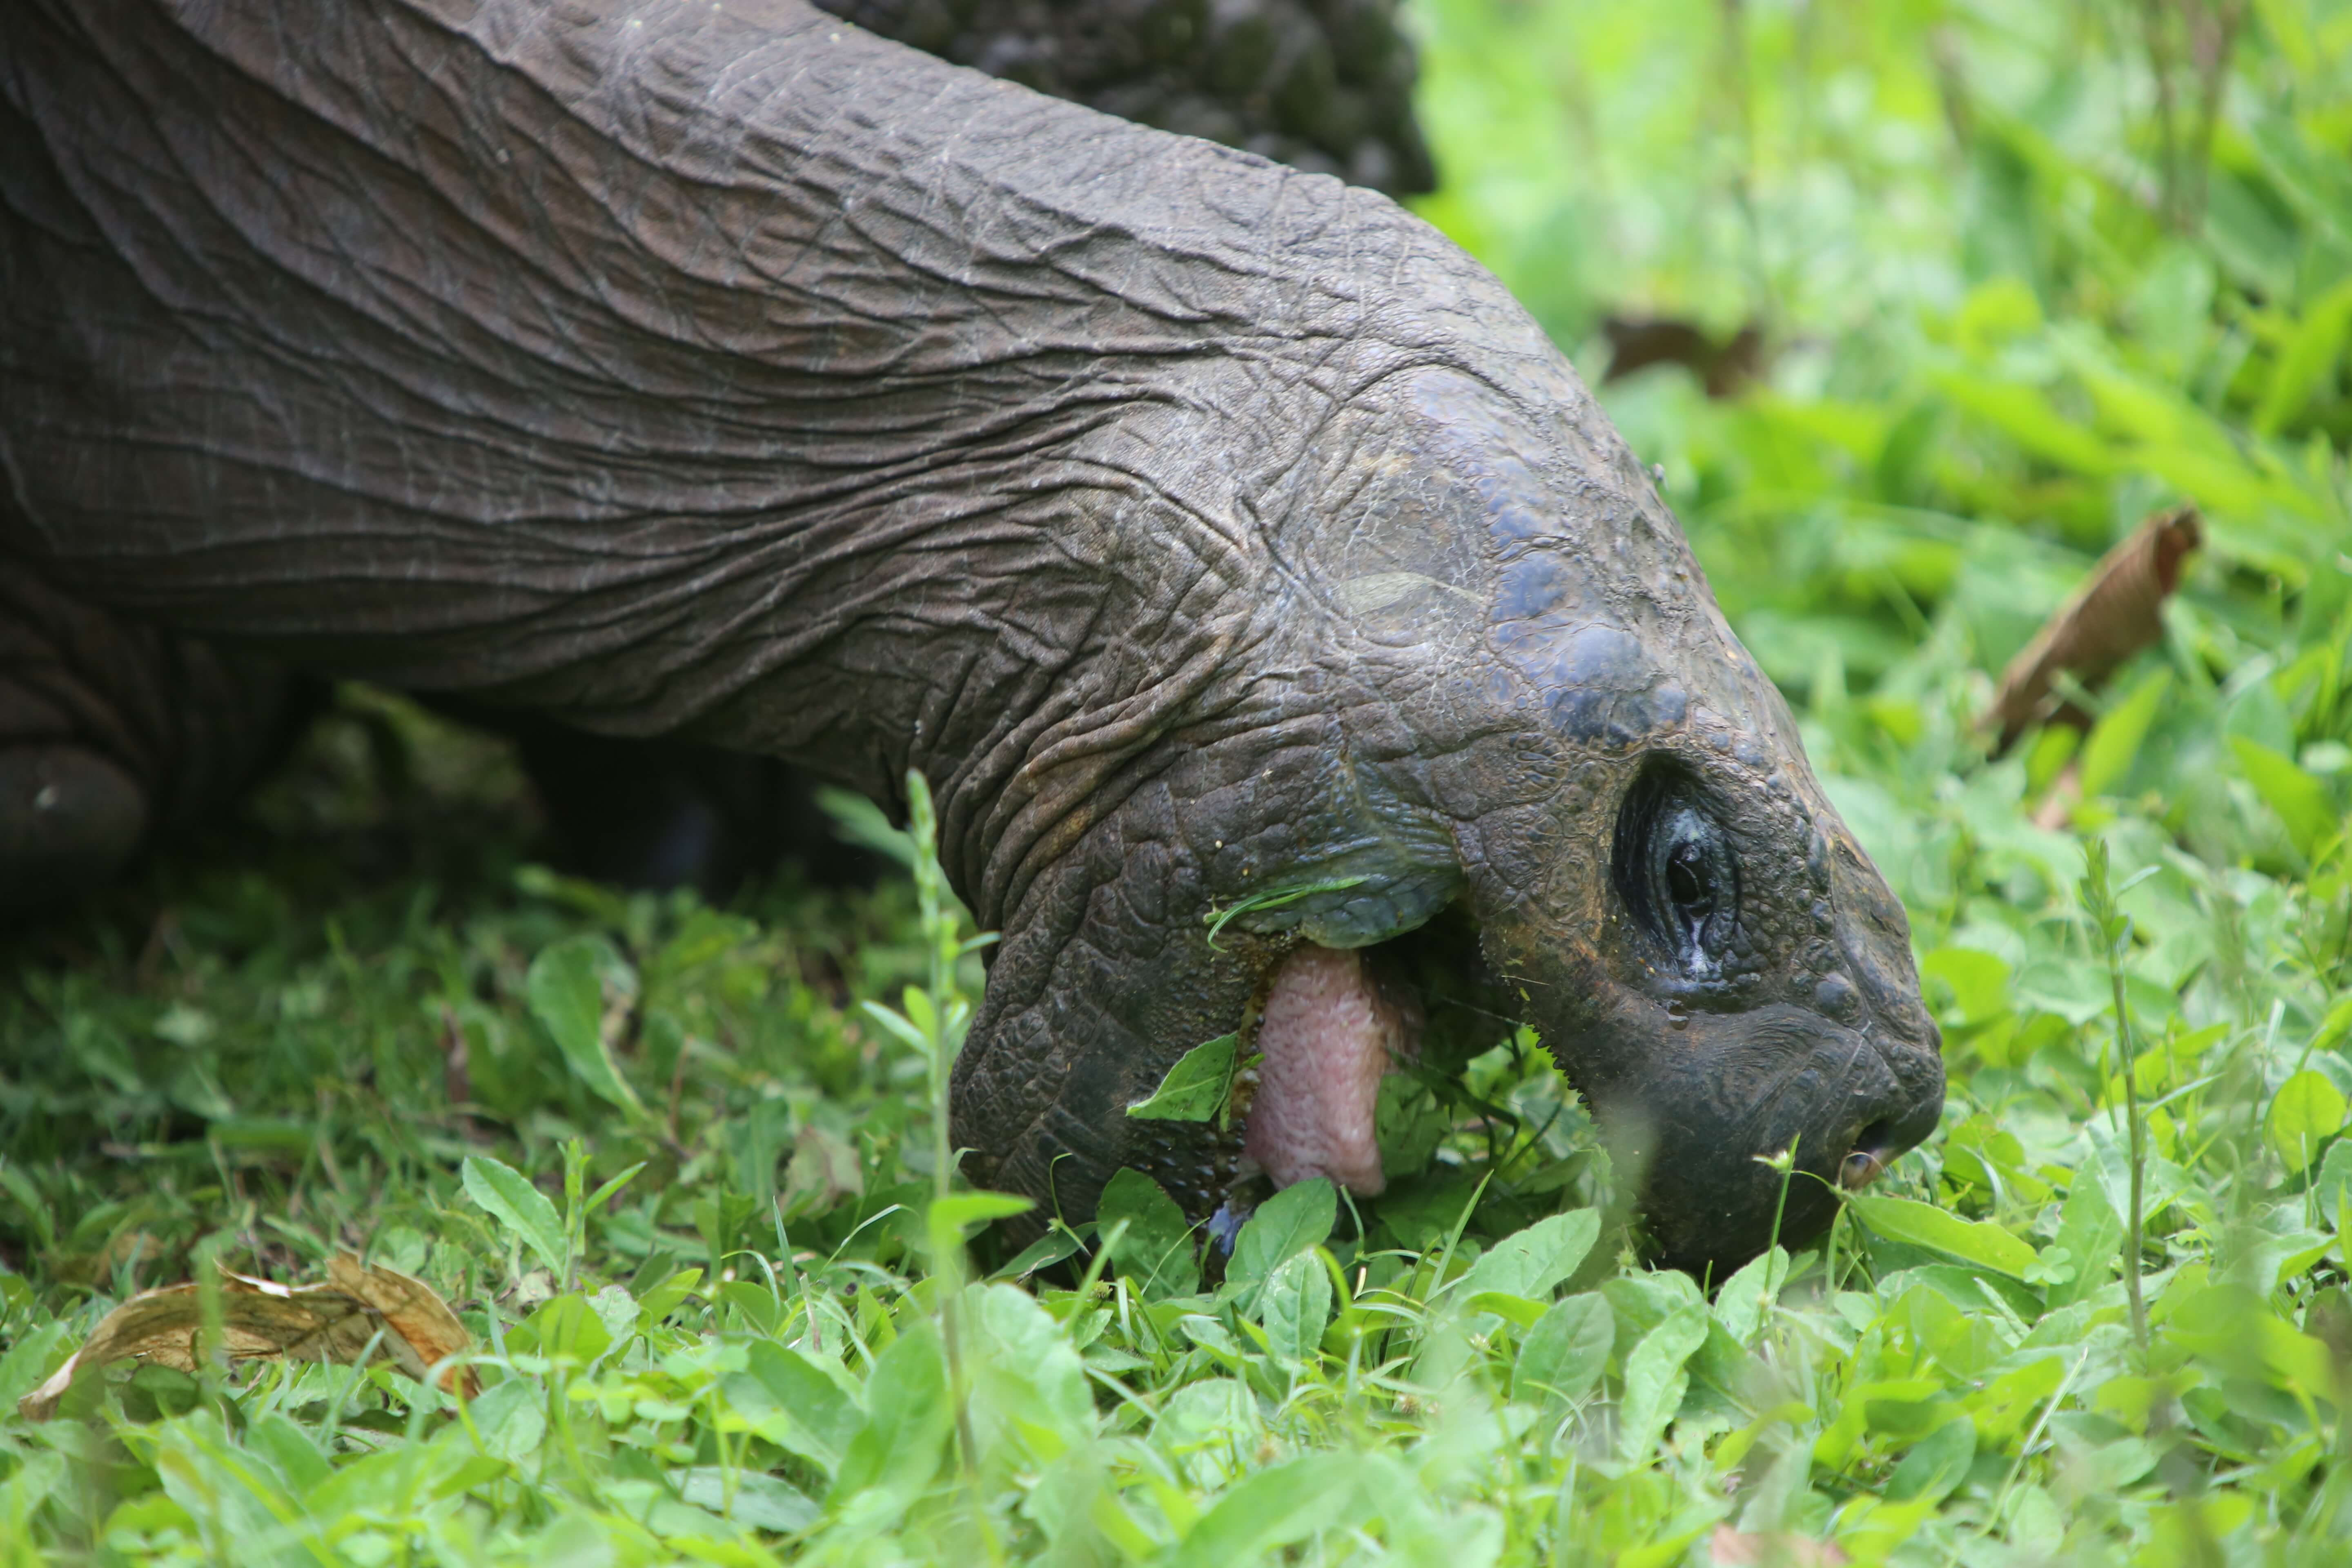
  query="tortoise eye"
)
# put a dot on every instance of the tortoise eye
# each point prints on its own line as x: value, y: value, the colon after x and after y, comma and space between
x: 1676, y: 871
x: 1686, y: 879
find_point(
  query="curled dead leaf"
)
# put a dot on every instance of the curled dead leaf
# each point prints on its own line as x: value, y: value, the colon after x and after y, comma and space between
x: 262, y: 1321
x: 2114, y: 614
x: 423, y: 1329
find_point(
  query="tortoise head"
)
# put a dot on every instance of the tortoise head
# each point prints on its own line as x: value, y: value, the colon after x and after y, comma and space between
x: 1727, y: 979
x: 1659, y: 882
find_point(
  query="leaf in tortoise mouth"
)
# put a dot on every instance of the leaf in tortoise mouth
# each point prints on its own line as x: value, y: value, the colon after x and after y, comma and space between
x: 262, y: 1320
x: 2112, y: 617
x: 1196, y: 1087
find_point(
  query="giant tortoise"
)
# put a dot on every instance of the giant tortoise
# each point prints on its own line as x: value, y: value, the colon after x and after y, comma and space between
x: 1290, y: 643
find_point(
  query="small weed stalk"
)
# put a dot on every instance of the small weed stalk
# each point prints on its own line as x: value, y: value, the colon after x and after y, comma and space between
x: 944, y: 1022
x: 2114, y: 931
x: 1785, y: 1162
x: 934, y: 1021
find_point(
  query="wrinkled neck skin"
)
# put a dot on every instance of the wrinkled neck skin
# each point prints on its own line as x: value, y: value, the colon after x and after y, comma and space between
x: 676, y: 366
x: 1200, y: 529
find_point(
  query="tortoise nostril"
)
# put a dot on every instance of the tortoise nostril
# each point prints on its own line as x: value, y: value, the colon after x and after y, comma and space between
x: 1872, y: 1148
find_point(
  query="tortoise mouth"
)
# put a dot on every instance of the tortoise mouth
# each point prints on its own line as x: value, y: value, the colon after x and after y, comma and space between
x: 1875, y: 1149
x: 1694, y: 1106
x: 1331, y: 1025
x: 1327, y: 1033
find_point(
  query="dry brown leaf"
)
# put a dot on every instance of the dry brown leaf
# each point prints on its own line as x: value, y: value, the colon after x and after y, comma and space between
x: 2057, y: 808
x: 1741, y: 1549
x: 421, y: 1321
x: 2112, y: 617
x: 262, y: 1320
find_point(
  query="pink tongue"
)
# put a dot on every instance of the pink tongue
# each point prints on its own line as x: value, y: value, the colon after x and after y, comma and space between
x: 1328, y: 1035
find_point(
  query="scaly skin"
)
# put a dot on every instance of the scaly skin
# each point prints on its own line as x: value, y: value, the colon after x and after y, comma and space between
x: 1196, y: 526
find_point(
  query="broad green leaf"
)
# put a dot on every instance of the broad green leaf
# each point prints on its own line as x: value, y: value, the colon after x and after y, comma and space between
x: 667, y: 1298
x: 2312, y: 356
x: 1740, y: 1306
x: 1656, y: 1380
x: 1979, y: 981
x: 1275, y: 1507
x: 2032, y: 420
x: 2228, y: 1326
x: 516, y: 1204
x: 567, y: 1326
x: 916, y: 1004
x: 2334, y: 1027
x: 14, y: 1292
x: 1059, y: 1243
x: 1195, y: 1090
x: 1644, y: 1299
x: 2307, y: 1112
x: 748, y: 1496
x: 897, y: 1452
x: 1149, y: 1241
x: 2115, y: 740
x: 1871, y: 1531
x: 1210, y: 1335
x: 1409, y: 1123
x: 787, y: 1399
x: 1923, y: 1225
x: 754, y: 1300
x: 617, y: 1309
x: 2052, y: 751
x: 27, y: 1361
x: 1294, y: 1306
x: 1286, y: 1225
x: 289, y: 1445
x: 1207, y: 1428
x: 1534, y: 1261
x: 2301, y: 801
x: 28, y: 1486
x: 906, y: 1031
x: 959, y: 1209
x: 1516, y: 1310
x: 1859, y: 1404
x: 1937, y: 1464
x: 511, y: 1419
x: 1029, y: 1387
x: 2090, y: 1236
x: 1563, y: 1356
x: 2331, y: 1189
x: 566, y: 991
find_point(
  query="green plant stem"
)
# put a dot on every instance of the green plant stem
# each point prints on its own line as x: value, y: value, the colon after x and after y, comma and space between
x: 1781, y: 1207
x: 2138, y: 1131
x: 2115, y: 932
x: 940, y: 943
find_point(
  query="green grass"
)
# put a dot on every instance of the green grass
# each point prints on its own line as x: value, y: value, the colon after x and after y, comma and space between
x: 2005, y: 325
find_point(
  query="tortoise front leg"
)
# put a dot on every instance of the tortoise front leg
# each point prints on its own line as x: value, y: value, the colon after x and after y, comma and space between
x: 114, y: 736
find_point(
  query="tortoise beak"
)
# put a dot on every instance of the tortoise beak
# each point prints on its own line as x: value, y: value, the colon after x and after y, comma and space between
x: 1742, y: 1128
